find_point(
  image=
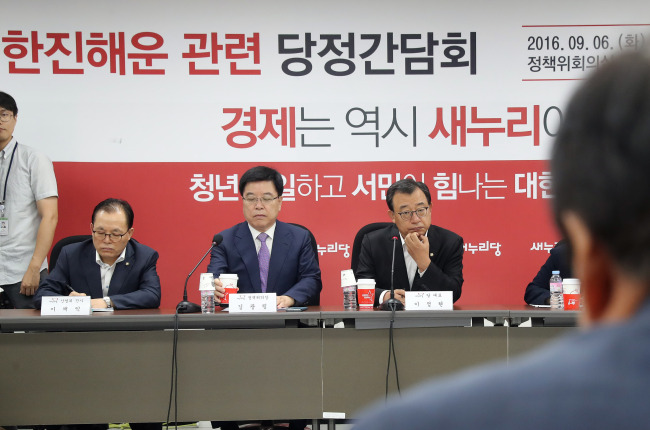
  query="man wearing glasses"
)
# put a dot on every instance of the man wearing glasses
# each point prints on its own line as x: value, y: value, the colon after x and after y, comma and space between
x: 113, y: 269
x: 28, y: 212
x: 427, y: 257
x: 267, y: 255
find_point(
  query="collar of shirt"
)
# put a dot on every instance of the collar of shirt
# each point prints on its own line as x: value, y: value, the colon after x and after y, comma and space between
x: 6, y: 153
x: 99, y: 261
x: 411, y: 265
x: 269, y: 240
x: 106, y: 270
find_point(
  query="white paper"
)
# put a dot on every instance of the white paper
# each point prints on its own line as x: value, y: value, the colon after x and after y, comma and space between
x: 65, y: 305
x: 429, y: 300
x: 256, y: 302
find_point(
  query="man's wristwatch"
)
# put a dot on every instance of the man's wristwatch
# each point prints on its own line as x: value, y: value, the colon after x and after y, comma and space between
x: 108, y: 302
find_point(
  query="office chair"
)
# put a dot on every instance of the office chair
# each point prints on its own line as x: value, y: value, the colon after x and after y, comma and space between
x: 56, y: 250
x: 358, y: 239
x: 315, y: 301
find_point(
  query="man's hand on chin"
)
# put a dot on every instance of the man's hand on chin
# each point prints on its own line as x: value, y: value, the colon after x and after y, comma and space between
x: 418, y: 246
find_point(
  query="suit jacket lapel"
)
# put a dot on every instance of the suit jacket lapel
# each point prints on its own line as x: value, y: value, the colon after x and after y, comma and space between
x: 92, y: 273
x: 245, y: 245
x: 434, y: 243
x: 281, y: 246
x: 122, y: 271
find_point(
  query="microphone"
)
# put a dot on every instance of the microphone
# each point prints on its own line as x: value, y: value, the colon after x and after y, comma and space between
x: 392, y: 304
x: 186, y: 307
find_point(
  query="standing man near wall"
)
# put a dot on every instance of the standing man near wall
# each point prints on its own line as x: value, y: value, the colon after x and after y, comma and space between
x: 28, y: 211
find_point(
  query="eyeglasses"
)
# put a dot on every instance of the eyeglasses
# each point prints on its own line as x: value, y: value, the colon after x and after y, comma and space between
x: 5, y: 116
x: 265, y: 200
x: 113, y: 237
x: 407, y: 215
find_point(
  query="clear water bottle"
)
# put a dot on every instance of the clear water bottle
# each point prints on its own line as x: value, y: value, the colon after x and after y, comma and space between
x: 206, y: 286
x: 350, y: 297
x: 556, y: 290
x: 207, y: 301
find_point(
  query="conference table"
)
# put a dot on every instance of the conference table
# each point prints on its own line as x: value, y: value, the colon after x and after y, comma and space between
x: 325, y: 363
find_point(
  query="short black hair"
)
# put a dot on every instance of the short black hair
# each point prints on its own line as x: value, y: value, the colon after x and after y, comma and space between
x: 261, y: 173
x: 114, y: 205
x: 601, y: 160
x: 406, y: 186
x: 8, y: 102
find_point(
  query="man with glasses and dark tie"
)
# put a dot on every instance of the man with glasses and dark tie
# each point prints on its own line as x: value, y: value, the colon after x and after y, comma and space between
x: 113, y: 269
x: 427, y: 257
x: 267, y: 255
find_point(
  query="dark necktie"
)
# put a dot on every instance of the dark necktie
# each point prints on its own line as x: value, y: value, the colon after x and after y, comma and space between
x: 263, y: 257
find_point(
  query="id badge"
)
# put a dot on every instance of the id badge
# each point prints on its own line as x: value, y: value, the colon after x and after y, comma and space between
x: 4, y: 226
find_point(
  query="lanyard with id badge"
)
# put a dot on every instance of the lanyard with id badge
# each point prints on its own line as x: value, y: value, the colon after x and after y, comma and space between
x: 4, y: 221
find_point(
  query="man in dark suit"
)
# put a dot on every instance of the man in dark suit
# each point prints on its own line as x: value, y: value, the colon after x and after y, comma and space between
x: 427, y: 257
x: 538, y: 292
x: 290, y: 270
x: 267, y: 255
x: 598, y: 377
x: 113, y: 269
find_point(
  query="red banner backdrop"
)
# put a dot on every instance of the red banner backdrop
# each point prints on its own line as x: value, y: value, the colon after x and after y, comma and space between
x: 497, y: 206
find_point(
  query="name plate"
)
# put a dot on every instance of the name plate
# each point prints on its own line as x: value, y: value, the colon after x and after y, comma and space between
x: 66, y: 305
x: 262, y: 302
x: 429, y: 301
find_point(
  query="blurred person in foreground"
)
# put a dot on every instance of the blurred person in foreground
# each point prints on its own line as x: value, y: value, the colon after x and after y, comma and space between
x: 597, y: 377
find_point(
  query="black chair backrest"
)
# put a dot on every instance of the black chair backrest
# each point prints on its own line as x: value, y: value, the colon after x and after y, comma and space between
x: 314, y: 245
x: 54, y: 255
x: 315, y: 301
x: 356, y: 245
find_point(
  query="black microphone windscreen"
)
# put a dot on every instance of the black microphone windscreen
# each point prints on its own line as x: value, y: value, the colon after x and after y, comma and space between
x: 217, y: 239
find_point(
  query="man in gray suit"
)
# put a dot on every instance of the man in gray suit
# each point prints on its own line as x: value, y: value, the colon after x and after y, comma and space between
x: 598, y: 377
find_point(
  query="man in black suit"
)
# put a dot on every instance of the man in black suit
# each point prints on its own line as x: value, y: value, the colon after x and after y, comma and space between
x: 538, y: 291
x: 427, y: 257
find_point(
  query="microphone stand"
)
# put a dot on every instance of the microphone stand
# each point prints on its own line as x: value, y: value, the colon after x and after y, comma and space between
x: 392, y: 304
x: 187, y: 307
